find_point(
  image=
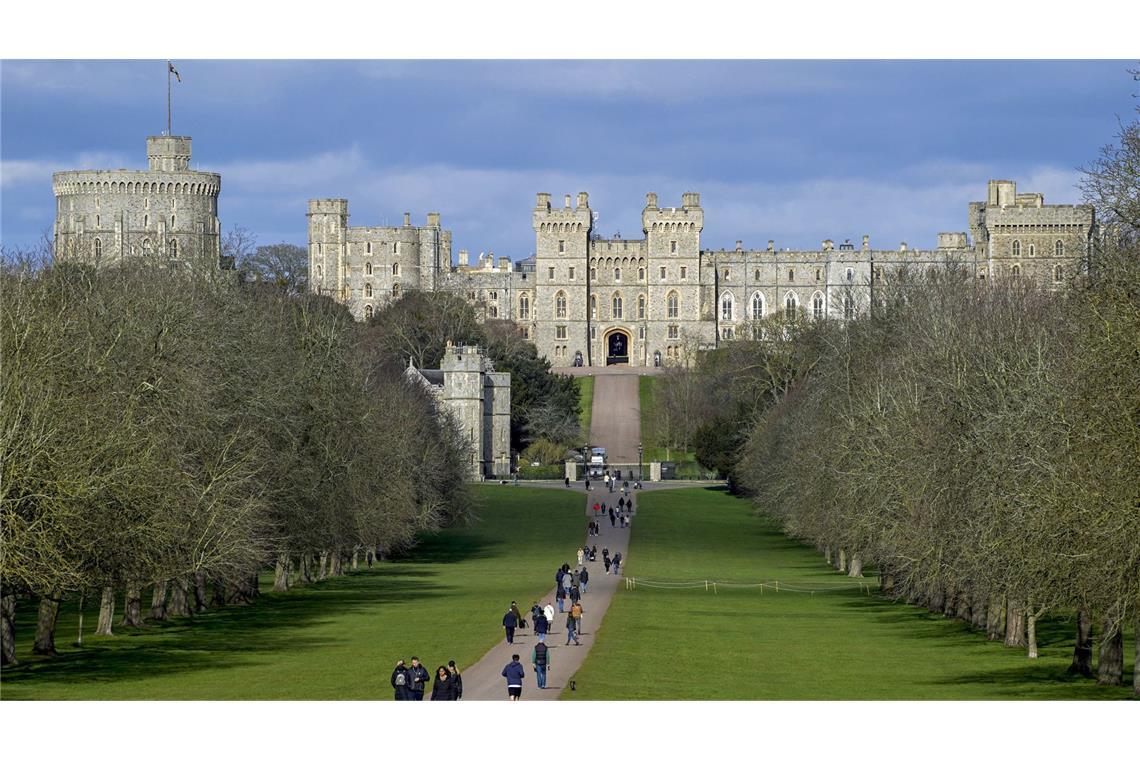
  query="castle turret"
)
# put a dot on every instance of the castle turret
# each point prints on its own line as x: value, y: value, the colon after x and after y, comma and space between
x: 328, y: 225
x: 463, y: 394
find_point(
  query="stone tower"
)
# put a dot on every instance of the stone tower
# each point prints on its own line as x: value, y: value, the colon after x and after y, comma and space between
x: 561, y: 277
x: 328, y: 227
x: 673, y: 253
x: 463, y: 396
x: 166, y: 212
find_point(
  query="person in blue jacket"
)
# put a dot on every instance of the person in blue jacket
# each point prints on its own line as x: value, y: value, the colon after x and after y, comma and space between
x: 514, y: 673
x: 510, y: 621
x: 541, y: 627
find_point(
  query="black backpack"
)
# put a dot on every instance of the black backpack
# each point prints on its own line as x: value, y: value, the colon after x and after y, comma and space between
x: 540, y: 655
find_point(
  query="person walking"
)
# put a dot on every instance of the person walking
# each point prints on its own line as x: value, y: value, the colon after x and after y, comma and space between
x: 621, y: 503
x: 548, y: 613
x: 443, y: 690
x: 514, y: 674
x: 541, y: 659
x: 583, y: 579
x: 455, y: 676
x: 576, y: 613
x: 594, y: 553
x: 400, y: 682
x: 541, y: 627
x: 597, y: 510
x: 567, y: 481
x: 572, y: 630
x: 418, y: 677
x: 613, y: 519
x: 510, y: 622
x: 519, y: 623
x: 581, y: 556
x: 574, y: 595
x: 617, y: 563
x: 560, y: 595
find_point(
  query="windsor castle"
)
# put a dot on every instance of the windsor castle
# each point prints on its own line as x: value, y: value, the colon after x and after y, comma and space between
x: 581, y: 299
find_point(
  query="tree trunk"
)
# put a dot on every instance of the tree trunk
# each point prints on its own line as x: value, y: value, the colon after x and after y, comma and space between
x: 355, y: 559
x: 46, y: 618
x: 8, y: 630
x: 995, y: 618
x: 937, y: 600
x: 1031, y: 632
x: 106, y: 612
x: 842, y: 566
x: 82, y: 599
x: 336, y: 566
x: 158, y: 600
x: 856, y: 568
x: 179, y: 598
x: 1110, y: 664
x: 281, y: 573
x: 949, y: 602
x: 963, y: 611
x: 200, y: 605
x: 132, y: 605
x: 243, y: 590
x: 827, y: 554
x: 978, y: 612
x: 1082, y: 650
x: 304, y: 575
x: 1136, y: 656
x: 324, y: 571
x: 219, y: 599
x: 1014, y: 624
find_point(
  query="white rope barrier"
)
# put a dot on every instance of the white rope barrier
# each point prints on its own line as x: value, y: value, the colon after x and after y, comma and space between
x: 800, y: 587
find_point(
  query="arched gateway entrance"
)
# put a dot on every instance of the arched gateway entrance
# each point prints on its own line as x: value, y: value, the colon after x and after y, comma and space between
x: 617, y: 347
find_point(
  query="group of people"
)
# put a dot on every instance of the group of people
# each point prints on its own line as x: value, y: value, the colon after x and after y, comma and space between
x: 410, y: 683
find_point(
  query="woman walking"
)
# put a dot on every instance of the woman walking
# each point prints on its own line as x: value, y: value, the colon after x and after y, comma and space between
x: 443, y: 690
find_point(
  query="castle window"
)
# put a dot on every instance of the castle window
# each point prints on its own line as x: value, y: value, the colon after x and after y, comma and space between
x: 396, y: 248
x: 97, y: 226
x: 571, y: 273
x: 550, y: 273
x: 146, y: 246
x: 879, y: 273
x: 395, y: 290
x: 526, y: 332
x: 493, y: 312
x: 662, y: 273
x: 641, y: 274
x: 726, y: 307
x: 671, y: 305
x: 818, y: 274
x: 756, y: 276
x: 850, y: 274
x: 1016, y: 247
x: 593, y: 273
x: 1058, y: 248
x: 560, y: 305
x: 146, y: 220
x: 319, y: 271
x: 684, y: 273
x: 593, y: 307
x: 368, y: 268
x: 561, y: 246
x: 1058, y: 273
x: 369, y: 248
x: 672, y: 246
x: 172, y: 221
x: 617, y: 274
x: 641, y: 307
x: 848, y: 308
x: 1015, y: 270
x: 790, y: 306
x: 368, y: 290
x: 524, y: 306
x: 560, y: 332
x: 726, y: 333
x: 396, y: 269
x: 641, y: 333
x: 173, y: 248
x: 1032, y: 249
x: 757, y: 306
x: 617, y: 306
x: 368, y: 311
x: 724, y: 274
x: 817, y: 306
x: 982, y: 273
x: 791, y: 275
x: 674, y: 332
x: 98, y: 248
x: 593, y: 333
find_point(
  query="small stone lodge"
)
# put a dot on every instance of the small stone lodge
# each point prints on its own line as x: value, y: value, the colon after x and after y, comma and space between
x: 468, y: 388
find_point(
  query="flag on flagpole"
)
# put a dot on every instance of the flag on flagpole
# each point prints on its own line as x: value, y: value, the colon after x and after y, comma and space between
x: 174, y: 71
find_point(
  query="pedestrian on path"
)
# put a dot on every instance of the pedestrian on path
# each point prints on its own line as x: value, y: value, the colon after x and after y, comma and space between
x: 519, y: 623
x: 510, y: 622
x: 576, y: 614
x: 583, y: 578
x: 567, y: 481
x: 575, y: 594
x: 621, y: 503
x: 581, y: 556
x: 443, y: 690
x: 541, y: 659
x: 541, y: 627
x: 514, y: 674
x: 417, y: 681
x: 455, y: 676
x: 571, y: 631
x: 617, y: 563
x: 597, y: 509
x: 400, y: 679
x: 560, y: 595
x: 548, y: 613
x: 594, y: 553
x: 613, y: 519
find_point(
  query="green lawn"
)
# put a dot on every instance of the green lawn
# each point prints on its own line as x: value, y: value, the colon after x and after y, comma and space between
x: 338, y: 639
x: 585, y: 385
x: 738, y: 644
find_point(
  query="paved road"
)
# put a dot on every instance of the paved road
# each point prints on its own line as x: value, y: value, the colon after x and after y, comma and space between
x: 616, y: 421
x: 484, y: 680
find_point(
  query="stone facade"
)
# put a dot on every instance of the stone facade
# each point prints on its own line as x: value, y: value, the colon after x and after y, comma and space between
x: 479, y: 398
x: 584, y: 299
x: 167, y: 212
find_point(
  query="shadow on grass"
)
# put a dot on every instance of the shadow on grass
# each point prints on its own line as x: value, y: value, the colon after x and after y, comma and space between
x: 276, y: 624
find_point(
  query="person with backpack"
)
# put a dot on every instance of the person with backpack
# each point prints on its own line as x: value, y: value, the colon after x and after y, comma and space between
x: 510, y: 622
x: 576, y: 614
x: 571, y: 630
x: 514, y: 674
x: 617, y: 563
x: 583, y: 579
x: 443, y: 690
x: 400, y: 682
x: 418, y: 677
x: 541, y: 659
x: 520, y: 622
x: 575, y: 594
x: 455, y: 676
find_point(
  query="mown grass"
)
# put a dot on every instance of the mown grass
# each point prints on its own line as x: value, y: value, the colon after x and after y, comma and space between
x: 585, y: 385
x: 338, y: 639
x: 739, y: 644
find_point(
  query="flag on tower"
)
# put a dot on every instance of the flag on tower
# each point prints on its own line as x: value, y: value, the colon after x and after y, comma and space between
x: 174, y: 71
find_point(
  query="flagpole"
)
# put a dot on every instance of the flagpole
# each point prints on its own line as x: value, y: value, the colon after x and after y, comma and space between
x: 169, y: 131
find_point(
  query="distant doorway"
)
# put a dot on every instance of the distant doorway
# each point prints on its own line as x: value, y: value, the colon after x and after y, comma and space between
x: 617, y: 347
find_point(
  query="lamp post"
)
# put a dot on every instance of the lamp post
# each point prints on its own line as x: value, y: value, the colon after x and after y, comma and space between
x: 639, y: 475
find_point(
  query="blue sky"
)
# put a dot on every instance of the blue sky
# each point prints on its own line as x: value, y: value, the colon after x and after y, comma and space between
x: 795, y: 151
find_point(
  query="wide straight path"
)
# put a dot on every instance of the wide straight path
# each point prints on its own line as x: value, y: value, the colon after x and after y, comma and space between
x: 484, y: 679
x: 616, y: 420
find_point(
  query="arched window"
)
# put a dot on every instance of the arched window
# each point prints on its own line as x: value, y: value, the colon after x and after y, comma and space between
x: 560, y: 305
x: 368, y: 268
x: 1016, y: 247
x: 98, y: 248
x: 1058, y: 248
x: 756, y: 275
x: 172, y: 221
x: 367, y: 290
x: 641, y: 307
x: 850, y: 274
x: 757, y: 304
x: 848, y: 308
x: 593, y: 307
x: 617, y: 306
x: 396, y: 290
x: 146, y: 220
x: 1032, y: 249
x: 396, y: 268
x: 368, y: 311
x: 640, y: 273
x: 524, y: 306
x: 173, y: 248
x: 791, y: 275
x: 671, y: 304
x: 1015, y: 270
x: 1058, y: 273
x: 817, y: 306
x: 493, y: 311
x: 617, y: 274
x: 319, y: 271
x: 726, y: 307
x: 146, y: 246
x: 790, y: 305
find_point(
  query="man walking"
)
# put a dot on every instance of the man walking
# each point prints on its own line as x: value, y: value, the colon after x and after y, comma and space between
x: 613, y: 519
x: 576, y: 614
x: 583, y: 579
x: 617, y: 563
x: 548, y: 613
x: 400, y: 682
x: 514, y: 674
x: 417, y: 678
x: 510, y: 622
x: 540, y: 627
x: 541, y: 659
x: 571, y: 630
x: 455, y: 676
x: 560, y: 595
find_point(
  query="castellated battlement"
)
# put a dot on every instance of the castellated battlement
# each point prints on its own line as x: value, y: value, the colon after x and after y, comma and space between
x: 690, y: 217
x: 328, y: 206
x: 167, y: 153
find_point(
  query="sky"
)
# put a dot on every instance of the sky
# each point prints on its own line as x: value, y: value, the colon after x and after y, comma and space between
x: 793, y: 151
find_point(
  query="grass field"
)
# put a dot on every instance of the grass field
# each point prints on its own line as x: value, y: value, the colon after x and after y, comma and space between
x: 585, y: 385
x: 338, y: 639
x: 738, y: 644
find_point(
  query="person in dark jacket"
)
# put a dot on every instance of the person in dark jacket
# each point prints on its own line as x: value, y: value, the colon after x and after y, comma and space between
x: 583, y: 579
x: 400, y: 682
x: 613, y: 519
x: 443, y: 690
x: 510, y: 622
x: 541, y: 659
x: 560, y: 595
x: 455, y: 676
x: 417, y: 681
x: 575, y: 594
x: 514, y: 673
x: 541, y: 627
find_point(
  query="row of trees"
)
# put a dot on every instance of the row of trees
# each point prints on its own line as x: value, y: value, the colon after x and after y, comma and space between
x: 177, y: 433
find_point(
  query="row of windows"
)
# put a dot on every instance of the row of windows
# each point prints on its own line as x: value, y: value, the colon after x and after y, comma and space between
x: 146, y: 247
x: 368, y: 291
x: 672, y: 306
x: 1058, y: 248
x: 368, y: 269
x: 383, y: 248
